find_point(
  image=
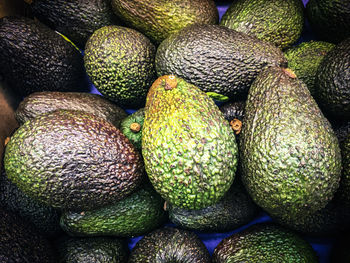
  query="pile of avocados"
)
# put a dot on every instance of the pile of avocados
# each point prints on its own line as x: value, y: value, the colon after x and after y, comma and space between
x: 153, y: 131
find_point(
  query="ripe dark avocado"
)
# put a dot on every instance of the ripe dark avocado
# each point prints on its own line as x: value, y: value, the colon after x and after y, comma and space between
x: 290, y: 156
x: 277, y: 21
x: 168, y: 244
x: 72, y: 160
x: 234, y: 114
x: 216, y: 59
x: 131, y: 127
x: 159, y: 19
x: 120, y: 63
x: 135, y: 215
x: 75, y: 19
x: 264, y: 242
x: 33, y: 57
x: 46, y: 101
x: 333, y: 82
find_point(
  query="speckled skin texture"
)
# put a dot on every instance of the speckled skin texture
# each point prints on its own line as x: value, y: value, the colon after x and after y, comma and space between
x: 134, y: 136
x: 304, y: 60
x: 75, y: 19
x: 92, y: 250
x: 43, y: 102
x: 290, y: 155
x: 33, y: 58
x: 277, y: 21
x: 72, y: 160
x: 189, y: 149
x: 344, y: 189
x: 329, y: 18
x: 161, y: 18
x: 264, y: 243
x: 333, y: 81
x: 120, y: 63
x: 216, y: 58
x: 167, y: 245
x: 135, y: 215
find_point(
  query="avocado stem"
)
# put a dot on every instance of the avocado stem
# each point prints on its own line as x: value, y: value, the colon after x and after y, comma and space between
x: 236, y: 125
x: 7, y: 141
x: 135, y: 127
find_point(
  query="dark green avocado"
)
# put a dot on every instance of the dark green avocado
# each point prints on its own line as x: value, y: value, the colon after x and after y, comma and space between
x: 73, y: 160
x: 131, y: 126
x: 43, y: 102
x: 168, y: 244
x: 34, y: 57
x: 75, y: 19
x: 216, y: 59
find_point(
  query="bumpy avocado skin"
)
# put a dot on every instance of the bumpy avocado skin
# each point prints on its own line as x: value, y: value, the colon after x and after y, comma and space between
x: 75, y: 19
x: 169, y: 244
x: 264, y: 242
x: 159, y: 19
x: 291, y: 160
x: 33, y: 57
x: 333, y: 82
x: 216, y: 58
x: 304, y: 60
x: 135, y: 215
x: 120, y: 63
x: 277, y: 21
x: 73, y: 160
x: 131, y: 126
x: 47, y: 101
x: 189, y: 149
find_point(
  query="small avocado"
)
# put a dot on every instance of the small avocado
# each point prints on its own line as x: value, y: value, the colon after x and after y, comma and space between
x: 131, y: 127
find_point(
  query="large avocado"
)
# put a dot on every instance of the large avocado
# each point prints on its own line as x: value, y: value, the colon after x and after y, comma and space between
x: 290, y: 156
x: 72, y: 160
x: 216, y: 59
x: 189, y: 149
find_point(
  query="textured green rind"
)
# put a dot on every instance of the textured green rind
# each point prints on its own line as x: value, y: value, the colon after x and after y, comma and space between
x: 344, y: 188
x: 333, y: 81
x: 264, y: 243
x: 72, y: 160
x: 169, y: 245
x: 189, y: 149
x: 120, y: 63
x: 235, y: 209
x: 329, y: 18
x: 135, y: 215
x: 75, y: 19
x: 134, y: 136
x: 291, y: 160
x: 277, y: 21
x: 33, y: 58
x: 43, y: 102
x: 304, y: 60
x: 159, y: 19
x: 92, y: 249
x: 216, y: 58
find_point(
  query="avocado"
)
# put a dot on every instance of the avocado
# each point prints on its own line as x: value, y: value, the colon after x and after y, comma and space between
x: 45, y: 218
x: 280, y: 22
x: 34, y: 57
x: 290, y: 156
x: 189, y: 149
x: 131, y: 127
x: 216, y: 59
x: 75, y: 19
x: 264, y: 242
x: 73, y: 160
x: 344, y: 186
x: 235, y: 209
x: 120, y: 63
x: 134, y: 215
x: 21, y: 242
x: 234, y: 113
x: 92, y: 249
x: 333, y: 82
x: 169, y: 244
x: 46, y: 101
x: 330, y: 19
x: 159, y: 19
x: 304, y: 60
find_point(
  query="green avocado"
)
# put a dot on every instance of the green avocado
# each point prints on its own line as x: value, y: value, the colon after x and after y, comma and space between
x: 73, y: 160
x: 290, y: 156
x: 131, y: 126
x: 277, y: 21
x: 189, y: 149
